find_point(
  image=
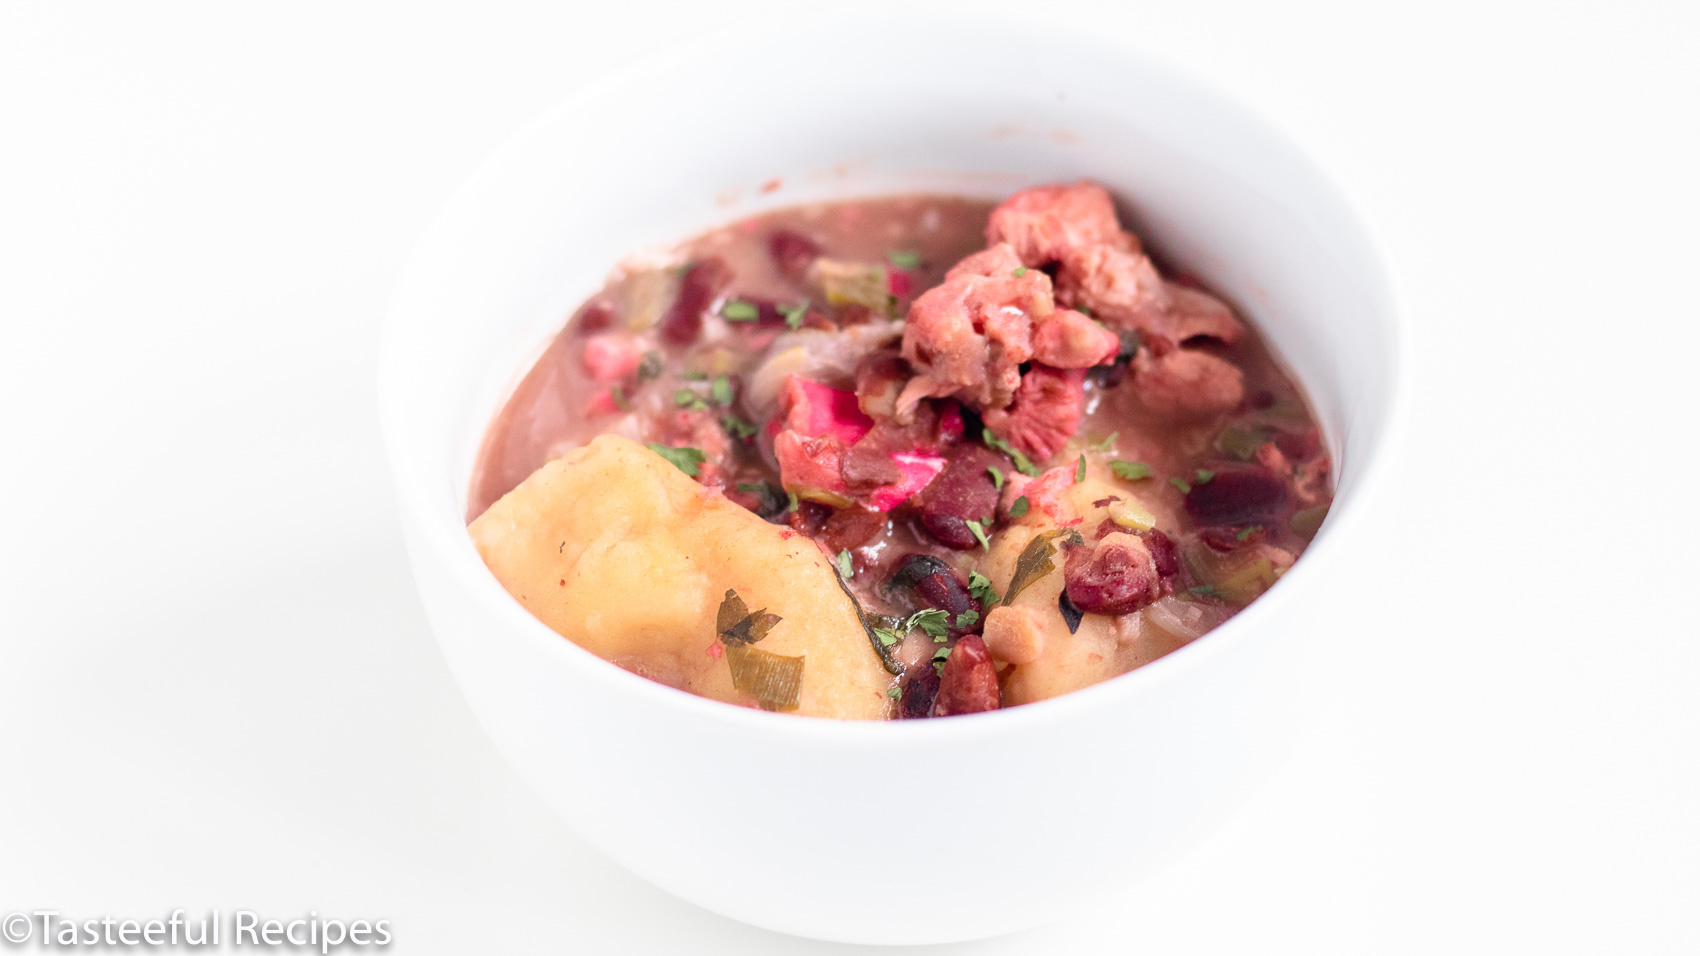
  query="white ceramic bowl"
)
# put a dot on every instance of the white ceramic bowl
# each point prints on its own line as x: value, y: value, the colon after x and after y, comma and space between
x: 915, y: 831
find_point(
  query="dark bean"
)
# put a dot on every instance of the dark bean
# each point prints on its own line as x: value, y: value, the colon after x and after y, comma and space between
x: 1299, y: 446
x: 963, y: 492
x: 852, y: 527
x: 1237, y: 496
x: 792, y: 252
x: 969, y: 684
x: 809, y: 518
x: 597, y: 315
x: 1164, y: 555
x: 702, y: 283
x: 1115, y: 576
x: 919, y: 692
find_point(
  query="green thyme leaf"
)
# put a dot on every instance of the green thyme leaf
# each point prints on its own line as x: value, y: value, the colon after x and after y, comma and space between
x: 967, y: 619
x: 721, y: 391
x: 845, y: 568
x: 887, y: 636
x: 1019, y: 271
x: 1035, y: 560
x: 1020, y: 507
x: 934, y: 621
x: 1181, y: 484
x: 1080, y: 469
x: 1109, y: 442
x: 1203, y: 476
x: 903, y: 258
x: 686, y: 460
x: 894, y: 693
x: 980, y: 587
x: 737, y: 310
x: 794, y: 503
x: 997, y: 477
x: 1130, y: 470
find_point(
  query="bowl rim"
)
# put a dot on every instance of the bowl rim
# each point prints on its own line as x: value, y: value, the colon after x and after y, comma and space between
x: 445, y: 534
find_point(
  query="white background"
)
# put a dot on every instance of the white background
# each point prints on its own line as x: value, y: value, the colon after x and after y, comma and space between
x: 216, y: 685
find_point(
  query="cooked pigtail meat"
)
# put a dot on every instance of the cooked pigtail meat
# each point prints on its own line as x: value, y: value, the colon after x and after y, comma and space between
x: 1043, y: 223
x: 1187, y: 383
x: 1045, y: 414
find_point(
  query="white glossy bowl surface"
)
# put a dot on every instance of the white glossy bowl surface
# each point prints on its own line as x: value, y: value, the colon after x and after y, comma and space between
x: 916, y: 831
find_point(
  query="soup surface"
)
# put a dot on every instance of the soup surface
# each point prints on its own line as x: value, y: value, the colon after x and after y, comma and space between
x: 906, y: 457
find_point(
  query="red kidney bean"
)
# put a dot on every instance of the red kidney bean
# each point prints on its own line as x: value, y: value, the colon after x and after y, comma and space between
x: 1114, y: 576
x: 701, y: 285
x: 852, y: 527
x: 809, y: 518
x: 963, y: 492
x: 1237, y: 496
x: 597, y: 315
x: 969, y: 684
x: 792, y: 252
x: 919, y: 692
x: 1299, y: 446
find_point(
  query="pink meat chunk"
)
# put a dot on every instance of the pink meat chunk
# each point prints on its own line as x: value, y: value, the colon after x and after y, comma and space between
x: 1124, y: 289
x: 1046, y: 411
x: 811, y: 467
x: 1187, y: 383
x: 1067, y: 339
x: 612, y: 356
x: 816, y: 411
x: 918, y: 469
x: 969, y: 336
x: 1044, y: 222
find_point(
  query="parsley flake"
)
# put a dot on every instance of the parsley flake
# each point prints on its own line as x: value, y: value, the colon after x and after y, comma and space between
x: 1019, y: 271
x: 1205, y: 590
x: 1181, y: 484
x: 1130, y: 470
x: 1023, y: 464
x: 1109, y: 442
x: 1203, y: 476
x: 737, y: 427
x: 980, y: 587
x: 737, y: 310
x: 721, y: 391
x: 845, y: 568
x: 967, y: 619
x: 1020, y: 507
x: 935, y: 622
x: 685, y: 398
x: 904, y: 258
x: 686, y: 460
x: 997, y: 476
x: 894, y: 693
x: 1080, y: 469
x: 794, y: 314
x: 1248, y: 532
x: 794, y: 503
x: 979, y: 533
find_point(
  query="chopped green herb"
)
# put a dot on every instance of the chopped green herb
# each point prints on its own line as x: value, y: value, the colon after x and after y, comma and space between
x: 686, y: 460
x: 1080, y: 469
x: 845, y: 568
x: 772, y: 679
x: 618, y: 394
x: 1022, y: 463
x: 695, y: 376
x: 887, y: 636
x: 721, y: 391
x: 939, y: 657
x: 1248, y: 532
x: 1109, y: 442
x: 650, y: 367
x: 1205, y: 590
x: 1203, y: 476
x: 794, y: 314
x: 997, y: 476
x: 934, y: 621
x: 1181, y: 484
x: 1019, y: 271
x: 904, y: 258
x: 967, y: 619
x: 737, y: 427
x: 1035, y: 560
x: 980, y: 587
x: 737, y: 310
x: 1020, y: 507
x: 979, y: 533
x: 894, y: 693
x: 1130, y: 470
x: 685, y: 398
x: 794, y: 503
